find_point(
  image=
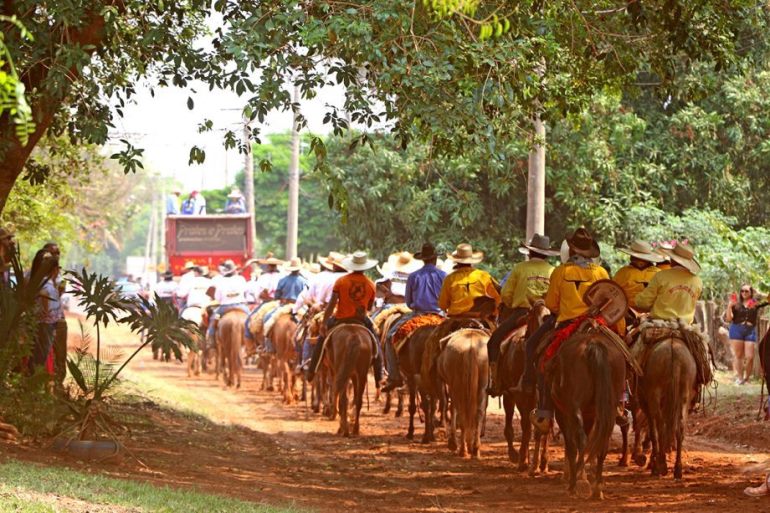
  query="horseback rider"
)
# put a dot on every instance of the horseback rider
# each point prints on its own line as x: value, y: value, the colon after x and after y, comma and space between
x: 673, y: 293
x: 526, y: 283
x: 291, y: 286
x: 564, y: 299
x: 634, y: 277
x: 317, y: 295
x: 391, y: 288
x: 421, y: 295
x: 466, y: 283
x: 230, y: 292
x: 352, y: 298
x: 166, y: 289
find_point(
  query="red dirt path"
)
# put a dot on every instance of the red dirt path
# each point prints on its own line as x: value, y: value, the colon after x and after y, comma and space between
x: 262, y: 451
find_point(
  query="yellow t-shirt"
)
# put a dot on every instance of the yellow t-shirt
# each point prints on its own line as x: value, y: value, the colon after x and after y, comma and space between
x: 464, y: 285
x: 527, y: 283
x: 671, y: 295
x: 634, y: 280
x: 568, y: 284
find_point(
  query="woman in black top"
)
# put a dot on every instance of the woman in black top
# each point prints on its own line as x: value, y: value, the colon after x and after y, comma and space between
x: 742, y: 313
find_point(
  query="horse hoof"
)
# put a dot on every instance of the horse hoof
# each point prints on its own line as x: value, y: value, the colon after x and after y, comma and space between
x: 678, y: 473
x: 410, y: 436
x: 513, y: 456
x: 598, y: 495
x: 640, y: 460
x: 623, y: 463
x: 583, y: 489
x: 452, y: 444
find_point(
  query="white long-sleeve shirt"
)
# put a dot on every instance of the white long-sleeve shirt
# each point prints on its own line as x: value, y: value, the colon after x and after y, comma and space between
x: 266, y: 282
x: 319, y: 290
x: 231, y: 290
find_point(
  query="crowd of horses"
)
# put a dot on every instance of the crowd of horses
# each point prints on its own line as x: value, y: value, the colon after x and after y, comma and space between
x: 446, y: 373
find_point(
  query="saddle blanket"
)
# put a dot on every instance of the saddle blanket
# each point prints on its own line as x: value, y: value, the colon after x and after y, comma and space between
x: 410, y: 326
x: 563, y: 334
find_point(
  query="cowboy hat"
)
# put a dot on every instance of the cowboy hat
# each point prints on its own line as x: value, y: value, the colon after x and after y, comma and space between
x: 269, y: 260
x: 684, y: 255
x: 427, y: 252
x: 540, y: 244
x: 582, y: 243
x: 358, y: 261
x: 235, y: 193
x: 331, y: 260
x: 228, y: 267
x: 662, y: 248
x: 168, y: 274
x: 312, y: 268
x: 295, y: 264
x: 464, y: 254
x: 402, y: 262
x: 643, y: 251
x: 189, y: 265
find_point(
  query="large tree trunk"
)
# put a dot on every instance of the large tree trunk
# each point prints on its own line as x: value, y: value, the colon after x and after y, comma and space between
x: 536, y: 182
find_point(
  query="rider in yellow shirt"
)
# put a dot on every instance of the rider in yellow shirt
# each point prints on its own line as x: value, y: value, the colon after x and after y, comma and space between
x: 527, y: 283
x: 634, y: 277
x: 465, y: 284
x: 569, y: 282
x: 673, y: 293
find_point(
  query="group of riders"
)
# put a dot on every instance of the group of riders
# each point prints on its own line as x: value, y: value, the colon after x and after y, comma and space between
x: 660, y: 283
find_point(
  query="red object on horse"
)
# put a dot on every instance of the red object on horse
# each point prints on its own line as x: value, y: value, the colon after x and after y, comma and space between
x: 563, y: 334
x: 412, y: 324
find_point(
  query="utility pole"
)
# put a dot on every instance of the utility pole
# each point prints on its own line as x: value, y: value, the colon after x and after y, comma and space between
x: 249, y: 179
x: 536, y: 181
x: 292, y: 226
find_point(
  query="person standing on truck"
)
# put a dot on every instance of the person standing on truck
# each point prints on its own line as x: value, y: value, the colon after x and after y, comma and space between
x: 172, y: 203
x: 199, y: 203
x: 235, y: 204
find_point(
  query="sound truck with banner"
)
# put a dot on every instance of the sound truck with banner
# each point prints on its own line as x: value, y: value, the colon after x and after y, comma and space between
x: 208, y: 240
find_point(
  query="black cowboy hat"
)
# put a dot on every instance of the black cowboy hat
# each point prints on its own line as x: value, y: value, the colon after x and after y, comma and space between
x: 582, y: 243
x: 427, y: 252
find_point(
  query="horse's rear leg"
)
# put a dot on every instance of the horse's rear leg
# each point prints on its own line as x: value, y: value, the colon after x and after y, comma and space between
x: 624, y: 450
x: 509, y: 406
x: 544, y: 454
x: 359, y: 402
x: 679, y: 442
x: 388, y: 403
x: 342, y: 393
x: 399, y: 403
x: 597, y: 492
x: 429, y: 410
x: 452, y: 435
x: 412, y: 407
x: 526, y: 437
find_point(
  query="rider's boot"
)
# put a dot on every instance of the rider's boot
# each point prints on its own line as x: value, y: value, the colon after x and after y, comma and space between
x: 494, y: 386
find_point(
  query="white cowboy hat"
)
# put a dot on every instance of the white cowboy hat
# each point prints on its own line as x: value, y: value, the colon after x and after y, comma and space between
x: 228, y: 267
x: 189, y: 265
x: 358, y: 261
x: 464, y: 254
x: 312, y: 268
x: 684, y: 255
x: 539, y: 244
x: 331, y: 260
x: 270, y: 260
x: 235, y: 194
x: 295, y: 264
x: 401, y: 262
x: 643, y: 251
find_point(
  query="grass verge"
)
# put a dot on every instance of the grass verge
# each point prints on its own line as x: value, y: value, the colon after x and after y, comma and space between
x: 30, y: 488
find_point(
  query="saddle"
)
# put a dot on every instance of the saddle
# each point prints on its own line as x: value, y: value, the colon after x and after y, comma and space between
x: 402, y: 334
x: 356, y: 322
x: 654, y: 331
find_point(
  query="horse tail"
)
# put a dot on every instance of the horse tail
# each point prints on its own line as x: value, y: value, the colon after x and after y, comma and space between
x: 604, y: 400
x: 471, y: 388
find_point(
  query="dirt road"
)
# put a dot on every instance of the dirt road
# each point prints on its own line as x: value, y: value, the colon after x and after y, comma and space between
x: 261, y: 450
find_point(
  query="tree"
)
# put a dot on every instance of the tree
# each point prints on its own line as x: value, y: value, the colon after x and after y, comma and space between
x: 80, y: 58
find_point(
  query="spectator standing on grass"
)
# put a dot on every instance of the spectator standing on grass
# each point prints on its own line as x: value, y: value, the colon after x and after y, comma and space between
x: 60, y: 336
x: 45, y: 269
x: 742, y: 312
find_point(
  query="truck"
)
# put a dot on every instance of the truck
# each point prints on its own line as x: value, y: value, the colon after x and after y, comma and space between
x: 208, y: 240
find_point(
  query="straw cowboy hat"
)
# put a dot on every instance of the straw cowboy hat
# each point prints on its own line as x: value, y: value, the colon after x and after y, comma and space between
x: 464, y: 254
x: 358, y: 261
x: 235, y: 194
x: 312, y: 268
x: 684, y: 255
x: 189, y: 265
x: 402, y: 262
x: 539, y: 244
x: 269, y: 260
x: 427, y: 252
x: 643, y: 251
x: 331, y: 260
x: 582, y: 243
x: 662, y: 249
x: 295, y: 264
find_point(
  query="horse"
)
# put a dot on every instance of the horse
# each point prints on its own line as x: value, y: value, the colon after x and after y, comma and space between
x: 464, y: 366
x: 666, y: 389
x: 586, y: 380
x: 283, y: 332
x: 510, y: 370
x: 348, y: 347
x: 195, y: 314
x: 229, y: 342
x: 409, y: 361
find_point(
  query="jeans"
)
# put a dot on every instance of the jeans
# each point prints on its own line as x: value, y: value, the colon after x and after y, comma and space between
x: 502, y: 331
x: 532, y: 342
x: 247, y: 333
x: 221, y: 309
x: 391, y: 363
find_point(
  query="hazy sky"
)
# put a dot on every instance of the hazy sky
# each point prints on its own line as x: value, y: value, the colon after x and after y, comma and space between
x: 166, y: 129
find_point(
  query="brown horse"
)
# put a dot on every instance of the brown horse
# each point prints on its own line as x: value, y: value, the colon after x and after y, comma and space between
x: 464, y: 366
x: 666, y: 389
x: 229, y: 342
x: 194, y: 355
x: 409, y: 362
x: 349, y: 351
x: 586, y: 382
x: 512, y: 362
x: 282, y: 335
